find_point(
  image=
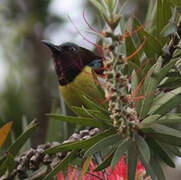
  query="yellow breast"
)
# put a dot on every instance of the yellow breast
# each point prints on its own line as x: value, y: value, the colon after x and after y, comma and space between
x: 83, y: 84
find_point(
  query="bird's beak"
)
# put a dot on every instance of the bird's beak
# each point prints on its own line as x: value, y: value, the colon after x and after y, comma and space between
x: 54, y: 49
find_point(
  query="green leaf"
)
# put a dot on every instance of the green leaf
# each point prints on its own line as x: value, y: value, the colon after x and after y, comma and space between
x: 2, y: 158
x: 143, y: 147
x: 20, y: 141
x: 170, y: 119
x: 151, y: 15
x: 150, y: 119
x: 115, y: 6
x: 130, y: 49
x: 85, y: 121
x: 105, y: 163
x: 136, y: 91
x: 8, y: 164
x: 120, y: 151
x: 100, y: 89
x: 131, y: 66
x: 104, y: 124
x: 164, y: 70
x: 81, y: 112
x: 85, y: 167
x: 83, y: 144
x: 99, y: 6
x: 159, y: 16
x: 170, y: 83
x: 163, y: 14
x: 152, y: 45
x: 132, y: 163
x: 162, y: 129
x: 167, y: 139
x: 166, y: 134
x: 62, y: 165
x: 102, y: 144
x: 172, y: 149
x: 148, y: 168
x: 150, y: 87
x: 169, y: 29
x: 175, y: 2
x: 166, y: 102
x: 92, y: 105
x: 109, y: 4
x: 161, y: 153
x: 157, y: 169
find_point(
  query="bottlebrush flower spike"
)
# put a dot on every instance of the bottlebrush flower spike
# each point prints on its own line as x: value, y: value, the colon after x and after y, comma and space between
x: 119, y: 173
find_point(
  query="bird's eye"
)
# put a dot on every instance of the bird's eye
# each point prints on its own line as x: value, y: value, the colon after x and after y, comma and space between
x: 73, y: 49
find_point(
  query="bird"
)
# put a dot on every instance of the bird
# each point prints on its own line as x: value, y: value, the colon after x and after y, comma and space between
x: 76, y: 68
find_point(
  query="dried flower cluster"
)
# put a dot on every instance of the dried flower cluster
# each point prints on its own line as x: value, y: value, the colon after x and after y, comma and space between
x: 34, y: 158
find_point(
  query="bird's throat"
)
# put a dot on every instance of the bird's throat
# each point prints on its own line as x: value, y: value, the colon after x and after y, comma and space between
x: 66, y: 73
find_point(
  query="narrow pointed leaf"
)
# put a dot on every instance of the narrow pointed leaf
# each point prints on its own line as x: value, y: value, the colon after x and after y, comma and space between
x: 120, y: 151
x: 164, y: 70
x: 132, y: 163
x: 170, y: 119
x: 95, y: 114
x: 163, y: 14
x: 103, y: 124
x: 150, y: 87
x: 80, y: 112
x: 170, y: 83
x: 161, y: 152
x: 104, y: 143
x: 99, y: 6
x: 169, y: 29
x: 162, y: 129
x: 167, y: 139
x: 166, y: 134
x: 159, y: 16
x: 151, y: 119
x: 173, y: 149
x: 151, y: 15
x: 166, y: 102
x: 20, y: 141
x: 152, y: 45
x: 8, y: 164
x: 85, y: 167
x: 105, y: 163
x: 100, y: 89
x: 175, y: 2
x: 130, y: 49
x: 136, y: 91
x: 83, y: 144
x: 148, y: 168
x: 155, y: 164
x: 92, y: 105
x: 143, y: 147
x: 85, y: 121
x: 133, y: 66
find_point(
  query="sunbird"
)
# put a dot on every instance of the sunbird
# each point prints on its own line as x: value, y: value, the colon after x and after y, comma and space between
x: 74, y: 67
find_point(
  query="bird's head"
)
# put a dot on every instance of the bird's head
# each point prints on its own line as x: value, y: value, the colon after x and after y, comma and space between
x: 70, y: 59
